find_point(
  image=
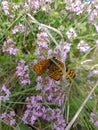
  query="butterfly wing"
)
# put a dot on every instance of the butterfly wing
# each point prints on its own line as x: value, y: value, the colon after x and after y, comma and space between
x: 55, y: 69
x: 55, y: 75
x: 69, y: 73
x: 41, y: 67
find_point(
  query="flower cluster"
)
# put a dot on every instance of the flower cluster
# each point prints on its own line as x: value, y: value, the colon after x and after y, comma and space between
x: 62, y: 50
x: 41, y: 40
x: 52, y: 93
x: 93, y: 72
x: 75, y: 6
x: 9, y: 46
x: 36, y: 4
x: 94, y: 118
x: 93, y: 13
x: 71, y: 34
x: 22, y: 72
x: 42, y: 44
x: 90, y: 82
x: 19, y: 28
x: 36, y: 110
x: 9, y: 118
x: 7, y: 93
x: 6, y: 8
x: 59, y: 51
x: 83, y: 46
x: 41, y: 83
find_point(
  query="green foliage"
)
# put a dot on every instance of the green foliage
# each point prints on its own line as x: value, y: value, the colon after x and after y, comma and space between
x: 77, y: 89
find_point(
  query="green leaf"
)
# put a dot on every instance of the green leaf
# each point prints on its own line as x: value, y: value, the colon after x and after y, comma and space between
x: 22, y: 126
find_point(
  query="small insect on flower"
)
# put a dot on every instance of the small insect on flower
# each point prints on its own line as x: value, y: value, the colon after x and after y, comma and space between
x: 54, y: 68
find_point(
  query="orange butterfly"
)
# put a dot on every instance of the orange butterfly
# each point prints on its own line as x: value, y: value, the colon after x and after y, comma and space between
x: 54, y: 68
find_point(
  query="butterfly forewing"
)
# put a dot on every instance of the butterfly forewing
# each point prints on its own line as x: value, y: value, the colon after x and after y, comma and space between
x: 42, y: 66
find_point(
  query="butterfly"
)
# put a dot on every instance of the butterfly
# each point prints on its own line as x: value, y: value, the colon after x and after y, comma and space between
x: 54, y: 68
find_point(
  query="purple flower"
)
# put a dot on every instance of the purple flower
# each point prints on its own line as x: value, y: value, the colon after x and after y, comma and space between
x: 97, y: 42
x: 33, y: 119
x: 92, y: 73
x: 92, y: 114
x: 25, y: 81
x: 19, y: 28
x: 5, y: 7
x: 12, y: 122
x: 59, y: 123
x: 75, y: 6
x: 57, y: 51
x: 71, y: 34
x: 13, y: 51
x: 62, y: 50
x: 3, y: 115
x: 50, y: 52
x: 42, y: 82
x: 37, y: 109
x: 49, y: 114
x: 8, y: 118
x: 65, y: 50
x: 12, y: 113
x: 38, y: 86
x: 96, y: 123
x: 42, y: 36
x: 54, y: 95
x: 83, y: 46
x: 42, y: 44
x: 90, y: 81
x: 25, y: 116
x: 39, y: 98
x: 9, y: 46
x: 70, y: 16
x: 94, y: 118
x: 7, y: 93
x: 36, y: 3
x: 22, y: 72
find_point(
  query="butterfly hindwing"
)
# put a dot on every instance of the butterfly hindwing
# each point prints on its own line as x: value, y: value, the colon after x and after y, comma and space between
x: 55, y: 69
x: 69, y: 73
x: 55, y: 75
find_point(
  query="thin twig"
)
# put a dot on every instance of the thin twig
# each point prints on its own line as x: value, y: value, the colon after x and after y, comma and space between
x: 45, y: 26
x: 81, y: 107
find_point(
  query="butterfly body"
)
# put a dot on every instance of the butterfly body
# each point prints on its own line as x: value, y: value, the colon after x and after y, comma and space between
x: 54, y: 68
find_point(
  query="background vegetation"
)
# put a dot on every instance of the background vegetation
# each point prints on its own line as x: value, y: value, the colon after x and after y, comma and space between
x: 34, y: 30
